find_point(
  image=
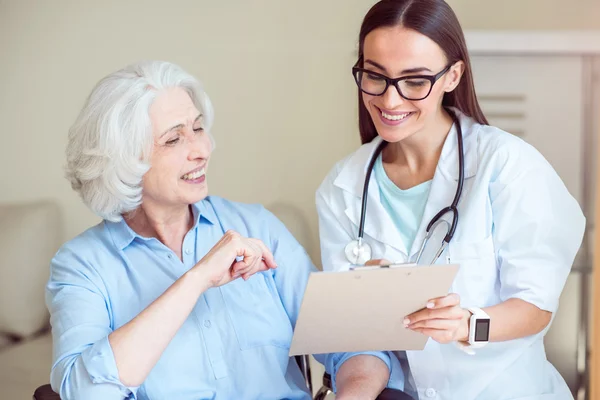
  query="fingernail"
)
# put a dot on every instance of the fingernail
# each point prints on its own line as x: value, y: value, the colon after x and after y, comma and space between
x: 430, y: 305
x: 406, y: 321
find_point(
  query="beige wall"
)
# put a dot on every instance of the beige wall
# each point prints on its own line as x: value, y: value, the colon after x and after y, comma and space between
x: 277, y: 71
x: 528, y: 14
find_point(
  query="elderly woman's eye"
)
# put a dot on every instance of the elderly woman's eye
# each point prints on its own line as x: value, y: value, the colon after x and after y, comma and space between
x: 200, y: 129
x: 172, y: 141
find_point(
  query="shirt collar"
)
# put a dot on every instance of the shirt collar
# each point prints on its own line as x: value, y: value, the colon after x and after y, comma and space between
x: 123, y: 235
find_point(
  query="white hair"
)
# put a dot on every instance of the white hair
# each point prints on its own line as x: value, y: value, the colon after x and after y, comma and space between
x: 111, y: 141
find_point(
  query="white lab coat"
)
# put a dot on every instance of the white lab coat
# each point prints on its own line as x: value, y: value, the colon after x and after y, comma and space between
x: 518, y: 232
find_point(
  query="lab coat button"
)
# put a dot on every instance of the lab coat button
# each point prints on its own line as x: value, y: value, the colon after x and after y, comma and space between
x: 207, y: 323
x: 430, y: 392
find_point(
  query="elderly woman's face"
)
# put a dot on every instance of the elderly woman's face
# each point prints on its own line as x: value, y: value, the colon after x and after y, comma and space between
x: 180, y: 154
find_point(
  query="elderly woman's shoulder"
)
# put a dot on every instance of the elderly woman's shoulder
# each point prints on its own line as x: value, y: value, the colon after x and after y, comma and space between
x: 230, y: 207
x: 228, y: 211
x: 89, y: 239
x: 92, y: 244
x: 246, y: 218
x: 256, y: 221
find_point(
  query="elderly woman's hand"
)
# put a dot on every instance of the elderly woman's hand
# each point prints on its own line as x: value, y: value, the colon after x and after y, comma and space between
x: 224, y: 263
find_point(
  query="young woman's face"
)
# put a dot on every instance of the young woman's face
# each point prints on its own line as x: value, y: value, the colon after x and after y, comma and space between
x: 400, y: 52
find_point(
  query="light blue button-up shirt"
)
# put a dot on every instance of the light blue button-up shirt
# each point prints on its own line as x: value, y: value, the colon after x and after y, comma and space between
x: 233, y: 345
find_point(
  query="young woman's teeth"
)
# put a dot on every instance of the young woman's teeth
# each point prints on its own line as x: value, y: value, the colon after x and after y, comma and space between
x: 395, y: 117
x: 193, y: 175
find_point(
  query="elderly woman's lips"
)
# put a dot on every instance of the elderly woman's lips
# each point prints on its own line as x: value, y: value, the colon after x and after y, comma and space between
x: 192, y: 176
x: 196, y: 181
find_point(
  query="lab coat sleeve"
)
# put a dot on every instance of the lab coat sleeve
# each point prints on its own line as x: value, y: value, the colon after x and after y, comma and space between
x: 291, y: 278
x: 83, y: 362
x: 334, y: 234
x: 537, y: 231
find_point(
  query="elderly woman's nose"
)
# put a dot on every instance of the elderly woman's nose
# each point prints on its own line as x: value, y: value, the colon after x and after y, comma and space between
x: 200, y: 147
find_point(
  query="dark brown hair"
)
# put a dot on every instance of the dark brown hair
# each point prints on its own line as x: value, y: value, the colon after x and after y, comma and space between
x: 436, y: 20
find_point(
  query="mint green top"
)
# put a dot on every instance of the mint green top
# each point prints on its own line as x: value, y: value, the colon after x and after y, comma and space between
x: 405, y: 207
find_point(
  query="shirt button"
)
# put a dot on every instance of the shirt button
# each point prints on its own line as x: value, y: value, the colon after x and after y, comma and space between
x: 207, y: 323
x: 430, y: 392
x: 188, y: 251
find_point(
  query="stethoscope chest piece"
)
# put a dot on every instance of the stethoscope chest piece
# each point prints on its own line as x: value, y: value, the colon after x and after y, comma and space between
x: 358, y: 252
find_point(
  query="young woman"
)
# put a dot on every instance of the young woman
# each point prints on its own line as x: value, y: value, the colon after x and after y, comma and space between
x: 499, y: 209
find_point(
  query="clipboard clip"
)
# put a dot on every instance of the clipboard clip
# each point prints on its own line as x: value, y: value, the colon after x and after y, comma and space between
x: 371, y: 267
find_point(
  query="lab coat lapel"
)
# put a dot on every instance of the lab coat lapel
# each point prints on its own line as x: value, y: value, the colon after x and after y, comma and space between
x: 378, y: 223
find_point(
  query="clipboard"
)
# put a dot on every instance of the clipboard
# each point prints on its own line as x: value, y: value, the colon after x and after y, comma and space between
x: 364, y: 309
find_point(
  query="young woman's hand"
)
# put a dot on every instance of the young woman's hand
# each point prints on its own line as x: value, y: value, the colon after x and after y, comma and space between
x: 443, y: 320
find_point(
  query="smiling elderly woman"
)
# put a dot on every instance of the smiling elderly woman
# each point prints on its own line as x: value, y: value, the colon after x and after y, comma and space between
x: 176, y: 295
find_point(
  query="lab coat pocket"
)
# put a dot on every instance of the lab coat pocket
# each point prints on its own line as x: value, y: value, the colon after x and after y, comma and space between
x: 256, y: 312
x: 477, y: 274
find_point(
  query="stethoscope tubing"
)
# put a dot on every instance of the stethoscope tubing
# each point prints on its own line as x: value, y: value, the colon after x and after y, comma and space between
x: 452, y: 208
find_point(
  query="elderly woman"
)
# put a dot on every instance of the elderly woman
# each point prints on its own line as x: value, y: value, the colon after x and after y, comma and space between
x: 176, y: 295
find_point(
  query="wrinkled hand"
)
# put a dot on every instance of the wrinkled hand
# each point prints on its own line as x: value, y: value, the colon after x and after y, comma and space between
x: 221, y: 266
x: 443, y: 320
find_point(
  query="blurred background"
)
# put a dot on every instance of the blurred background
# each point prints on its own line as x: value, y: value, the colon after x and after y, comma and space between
x: 278, y: 73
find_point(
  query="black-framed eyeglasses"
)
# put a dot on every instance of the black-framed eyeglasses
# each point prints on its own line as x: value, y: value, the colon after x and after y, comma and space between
x: 411, y: 87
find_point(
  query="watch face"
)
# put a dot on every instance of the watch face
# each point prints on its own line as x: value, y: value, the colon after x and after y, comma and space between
x: 482, y: 330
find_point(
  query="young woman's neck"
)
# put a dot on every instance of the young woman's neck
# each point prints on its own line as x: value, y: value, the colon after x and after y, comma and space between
x: 421, y: 150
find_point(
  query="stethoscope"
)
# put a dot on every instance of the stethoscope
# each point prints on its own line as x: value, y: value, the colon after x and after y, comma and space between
x: 358, y: 252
